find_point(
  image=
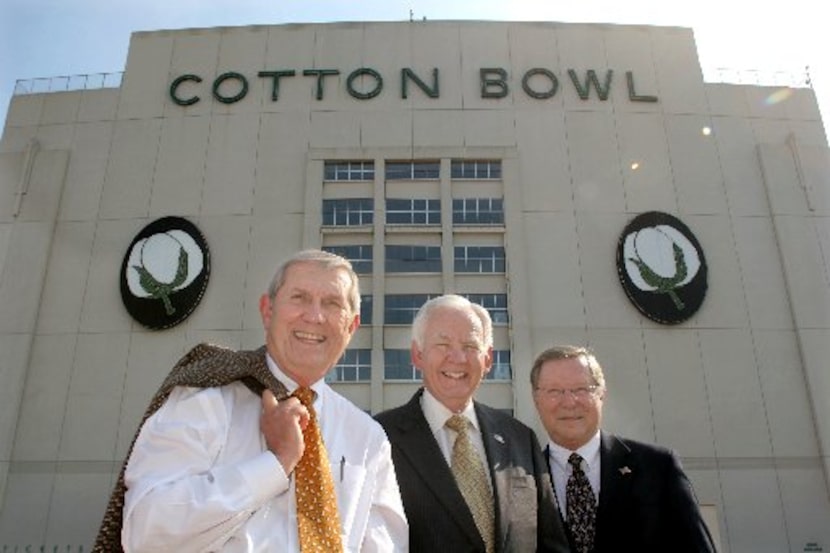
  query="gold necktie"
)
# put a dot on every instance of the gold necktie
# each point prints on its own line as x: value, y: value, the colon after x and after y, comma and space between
x: 317, y: 518
x: 471, y: 476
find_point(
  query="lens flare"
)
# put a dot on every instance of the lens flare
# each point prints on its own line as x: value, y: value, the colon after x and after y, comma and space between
x: 778, y: 96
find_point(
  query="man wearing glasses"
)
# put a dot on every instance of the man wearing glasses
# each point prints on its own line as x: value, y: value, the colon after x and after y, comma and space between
x: 614, y: 494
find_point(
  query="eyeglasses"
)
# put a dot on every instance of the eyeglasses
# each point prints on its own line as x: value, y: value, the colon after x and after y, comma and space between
x: 558, y: 394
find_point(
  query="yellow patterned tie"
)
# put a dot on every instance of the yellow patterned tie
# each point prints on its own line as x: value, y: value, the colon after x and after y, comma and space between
x: 317, y: 518
x: 471, y: 477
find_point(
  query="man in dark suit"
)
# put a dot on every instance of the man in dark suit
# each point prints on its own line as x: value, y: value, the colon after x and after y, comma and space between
x: 452, y: 346
x: 639, y: 498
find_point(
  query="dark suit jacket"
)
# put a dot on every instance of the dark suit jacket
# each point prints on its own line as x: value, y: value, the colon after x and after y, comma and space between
x: 646, y: 502
x: 439, y: 519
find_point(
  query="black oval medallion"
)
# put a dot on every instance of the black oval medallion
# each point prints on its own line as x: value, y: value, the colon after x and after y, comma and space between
x: 661, y: 267
x: 165, y: 272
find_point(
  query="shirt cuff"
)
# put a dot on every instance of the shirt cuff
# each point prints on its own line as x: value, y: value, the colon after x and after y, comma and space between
x: 264, y: 476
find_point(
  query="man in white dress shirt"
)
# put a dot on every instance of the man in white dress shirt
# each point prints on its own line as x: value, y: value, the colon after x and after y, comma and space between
x: 213, y: 468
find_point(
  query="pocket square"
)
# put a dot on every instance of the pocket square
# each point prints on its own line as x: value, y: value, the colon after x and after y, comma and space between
x: 625, y: 470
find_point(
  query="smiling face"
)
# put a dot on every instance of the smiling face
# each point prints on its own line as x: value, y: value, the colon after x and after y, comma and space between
x: 309, y: 322
x: 570, y: 422
x: 453, y: 357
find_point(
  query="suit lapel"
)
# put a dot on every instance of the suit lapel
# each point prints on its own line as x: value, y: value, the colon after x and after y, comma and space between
x: 615, y: 478
x: 556, y: 501
x: 495, y: 446
x: 416, y: 443
x: 497, y: 453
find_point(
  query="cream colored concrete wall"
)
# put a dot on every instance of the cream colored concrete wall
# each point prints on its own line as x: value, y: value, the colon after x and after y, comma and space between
x: 740, y: 390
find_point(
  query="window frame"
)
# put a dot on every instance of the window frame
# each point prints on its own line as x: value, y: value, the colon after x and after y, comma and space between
x: 363, y: 209
x: 478, y: 211
x: 360, y: 366
x: 475, y: 169
x: 412, y: 262
x: 495, y: 263
x: 348, y: 171
x: 429, y: 211
x: 362, y: 260
x: 412, y: 170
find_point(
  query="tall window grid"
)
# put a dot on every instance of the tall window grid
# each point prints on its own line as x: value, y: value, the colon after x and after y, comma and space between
x: 400, y: 309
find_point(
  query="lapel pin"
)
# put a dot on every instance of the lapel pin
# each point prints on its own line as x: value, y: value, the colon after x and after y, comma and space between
x: 625, y: 470
x: 498, y: 438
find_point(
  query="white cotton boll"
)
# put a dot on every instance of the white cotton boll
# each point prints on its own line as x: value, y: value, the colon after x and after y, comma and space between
x: 654, y: 246
x: 159, y: 255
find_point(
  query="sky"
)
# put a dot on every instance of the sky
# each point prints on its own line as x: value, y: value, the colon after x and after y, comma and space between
x: 48, y: 38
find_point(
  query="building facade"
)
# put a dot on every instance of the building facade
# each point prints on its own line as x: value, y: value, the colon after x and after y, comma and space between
x: 501, y: 161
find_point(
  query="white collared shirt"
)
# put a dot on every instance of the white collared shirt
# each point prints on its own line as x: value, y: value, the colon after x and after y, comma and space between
x: 561, y: 470
x: 201, y: 478
x: 437, y: 415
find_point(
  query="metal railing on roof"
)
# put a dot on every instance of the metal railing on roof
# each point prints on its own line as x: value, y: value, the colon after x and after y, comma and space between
x: 759, y: 77
x: 66, y: 83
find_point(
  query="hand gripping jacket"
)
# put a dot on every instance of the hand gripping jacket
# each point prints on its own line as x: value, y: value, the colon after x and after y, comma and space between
x: 205, y: 366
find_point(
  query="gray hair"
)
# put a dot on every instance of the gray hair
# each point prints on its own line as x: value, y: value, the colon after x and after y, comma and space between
x: 326, y: 260
x: 456, y: 302
x: 557, y: 353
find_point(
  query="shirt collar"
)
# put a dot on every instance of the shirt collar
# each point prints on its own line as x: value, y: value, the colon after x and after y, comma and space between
x: 589, y: 452
x: 437, y: 413
x: 318, y: 387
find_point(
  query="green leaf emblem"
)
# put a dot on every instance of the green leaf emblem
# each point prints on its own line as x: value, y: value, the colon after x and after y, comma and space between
x: 665, y: 285
x: 161, y: 290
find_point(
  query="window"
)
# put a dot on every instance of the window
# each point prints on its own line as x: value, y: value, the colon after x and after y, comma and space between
x: 413, y: 212
x: 475, y: 169
x: 349, y: 170
x: 413, y: 259
x: 366, y: 309
x: 360, y: 256
x: 412, y: 170
x: 348, y: 212
x: 401, y: 308
x: 501, y: 369
x: 397, y: 365
x: 479, y: 259
x: 354, y: 366
x: 478, y: 211
x: 495, y: 304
